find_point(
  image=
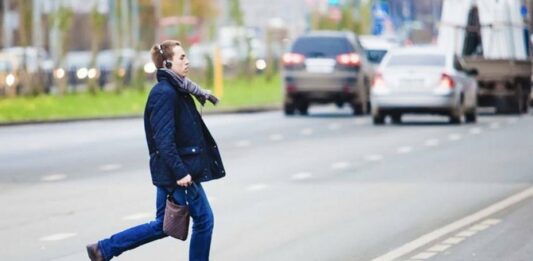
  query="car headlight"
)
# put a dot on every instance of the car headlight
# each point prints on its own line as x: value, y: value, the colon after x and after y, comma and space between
x: 92, y: 73
x: 10, y: 79
x: 59, y: 73
x: 149, y: 67
x: 82, y: 73
x: 260, y: 64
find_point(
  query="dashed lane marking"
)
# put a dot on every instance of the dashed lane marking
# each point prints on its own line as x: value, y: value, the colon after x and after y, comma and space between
x: 138, y: 216
x: 57, y: 237
x: 301, y: 176
x: 54, y: 177
x: 110, y: 167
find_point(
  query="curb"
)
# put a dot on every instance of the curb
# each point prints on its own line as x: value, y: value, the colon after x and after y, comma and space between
x: 124, y: 117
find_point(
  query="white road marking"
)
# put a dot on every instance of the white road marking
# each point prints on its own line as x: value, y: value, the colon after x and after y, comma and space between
x: 404, y: 150
x: 491, y: 221
x: 340, y: 165
x: 276, y: 137
x: 439, y: 248
x: 466, y: 233
x: 57, y: 237
x: 360, y: 122
x: 110, y: 167
x: 468, y: 220
x: 334, y: 126
x: 301, y: 176
x: 475, y: 131
x: 138, y: 216
x: 480, y: 227
x: 256, y: 187
x: 243, y: 143
x: 494, y: 125
x: 424, y: 255
x: 432, y: 142
x: 54, y: 177
x: 374, y: 157
x: 453, y: 240
x: 512, y: 120
x: 454, y: 137
x: 307, y: 131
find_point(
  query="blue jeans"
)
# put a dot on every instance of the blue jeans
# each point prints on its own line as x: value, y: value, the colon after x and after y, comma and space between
x: 202, y: 228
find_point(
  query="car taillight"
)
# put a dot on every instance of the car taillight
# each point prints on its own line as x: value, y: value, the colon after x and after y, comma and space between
x: 349, y: 59
x: 378, y: 81
x: 446, y: 81
x: 293, y: 59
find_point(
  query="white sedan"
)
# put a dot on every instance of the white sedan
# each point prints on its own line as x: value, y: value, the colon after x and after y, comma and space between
x: 423, y: 80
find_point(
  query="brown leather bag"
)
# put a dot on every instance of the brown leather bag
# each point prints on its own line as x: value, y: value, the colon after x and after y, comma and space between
x: 176, y: 220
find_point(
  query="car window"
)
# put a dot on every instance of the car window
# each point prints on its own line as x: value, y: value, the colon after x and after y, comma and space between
x: 417, y: 60
x: 375, y: 56
x: 316, y: 47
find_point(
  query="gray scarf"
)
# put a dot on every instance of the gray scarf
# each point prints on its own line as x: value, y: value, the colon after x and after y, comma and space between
x: 185, y: 85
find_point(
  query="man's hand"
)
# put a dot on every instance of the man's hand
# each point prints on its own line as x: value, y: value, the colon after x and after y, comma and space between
x: 185, y: 181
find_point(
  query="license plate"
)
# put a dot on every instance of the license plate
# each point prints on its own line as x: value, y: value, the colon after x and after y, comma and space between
x: 412, y: 84
x: 319, y: 65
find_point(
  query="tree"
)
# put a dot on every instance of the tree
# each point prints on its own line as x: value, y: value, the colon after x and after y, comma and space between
x: 97, y: 21
x: 61, y: 19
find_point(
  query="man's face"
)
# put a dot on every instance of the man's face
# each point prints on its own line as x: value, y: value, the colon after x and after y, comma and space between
x: 180, y: 62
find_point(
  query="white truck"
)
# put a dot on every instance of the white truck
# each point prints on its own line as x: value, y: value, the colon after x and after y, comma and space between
x: 492, y: 37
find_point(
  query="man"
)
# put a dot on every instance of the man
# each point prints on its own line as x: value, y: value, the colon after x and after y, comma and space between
x: 182, y: 153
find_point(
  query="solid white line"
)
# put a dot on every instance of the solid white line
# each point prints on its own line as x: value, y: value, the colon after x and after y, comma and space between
x: 491, y: 221
x: 404, y: 150
x: 256, y: 187
x: 110, y: 167
x: 54, y: 177
x: 438, y: 233
x: 57, y: 237
x: 138, y: 216
x: 243, y: 143
x: 276, y: 137
x: 301, y: 176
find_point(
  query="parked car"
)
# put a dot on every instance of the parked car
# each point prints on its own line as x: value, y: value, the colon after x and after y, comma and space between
x: 326, y: 67
x: 423, y: 80
x: 9, y: 74
x: 37, y: 64
x: 108, y: 60
x: 77, y: 67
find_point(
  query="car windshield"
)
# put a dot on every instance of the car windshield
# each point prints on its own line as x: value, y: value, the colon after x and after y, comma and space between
x: 317, y: 47
x: 375, y: 56
x: 430, y: 60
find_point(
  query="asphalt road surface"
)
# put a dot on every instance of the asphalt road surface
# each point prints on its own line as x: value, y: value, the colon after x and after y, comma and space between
x: 324, y: 187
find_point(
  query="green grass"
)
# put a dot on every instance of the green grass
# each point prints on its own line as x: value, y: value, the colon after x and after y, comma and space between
x: 238, y: 93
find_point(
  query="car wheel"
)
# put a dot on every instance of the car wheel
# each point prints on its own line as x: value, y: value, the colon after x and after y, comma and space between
x: 396, y: 118
x: 303, y: 108
x: 471, y: 116
x: 378, y: 119
x: 289, y: 109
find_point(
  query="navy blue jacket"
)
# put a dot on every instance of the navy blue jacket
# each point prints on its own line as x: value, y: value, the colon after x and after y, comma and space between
x: 178, y: 139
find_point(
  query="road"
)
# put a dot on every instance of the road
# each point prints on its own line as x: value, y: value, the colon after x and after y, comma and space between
x: 324, y: 187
